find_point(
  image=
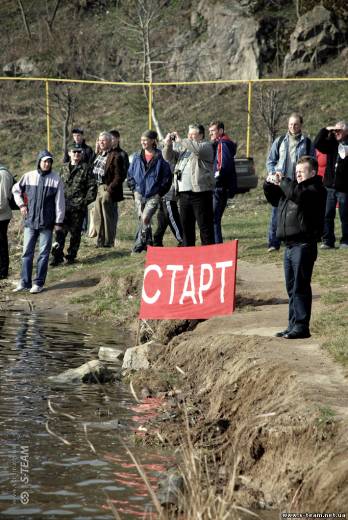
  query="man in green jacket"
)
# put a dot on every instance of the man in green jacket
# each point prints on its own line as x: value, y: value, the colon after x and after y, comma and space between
x: 80, y: 189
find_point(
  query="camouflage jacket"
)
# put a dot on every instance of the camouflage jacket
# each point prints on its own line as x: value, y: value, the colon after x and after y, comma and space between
x: 80, y: 187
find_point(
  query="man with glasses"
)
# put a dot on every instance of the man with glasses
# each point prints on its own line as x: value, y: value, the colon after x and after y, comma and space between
x: 333, y: 141
x: 80, y: 189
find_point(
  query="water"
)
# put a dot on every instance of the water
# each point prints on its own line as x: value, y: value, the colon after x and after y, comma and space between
x: 47, y: 465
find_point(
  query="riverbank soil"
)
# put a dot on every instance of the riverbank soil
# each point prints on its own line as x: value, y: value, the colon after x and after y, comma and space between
x: 275, y: 409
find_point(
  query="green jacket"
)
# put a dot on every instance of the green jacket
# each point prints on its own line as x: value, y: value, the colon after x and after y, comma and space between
x: 80, y: 187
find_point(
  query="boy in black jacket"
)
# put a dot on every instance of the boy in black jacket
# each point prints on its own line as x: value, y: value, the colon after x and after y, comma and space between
x: 301, y: 209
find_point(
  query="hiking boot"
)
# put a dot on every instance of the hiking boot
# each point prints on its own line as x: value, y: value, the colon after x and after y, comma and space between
x: 36, y: 289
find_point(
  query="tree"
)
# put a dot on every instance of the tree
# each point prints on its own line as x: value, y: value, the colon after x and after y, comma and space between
x: 142, y: 22
x: 271, y: 105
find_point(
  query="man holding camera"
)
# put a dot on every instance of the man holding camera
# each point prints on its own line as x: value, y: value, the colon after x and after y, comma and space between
x: 333, y: 141
x: 300, y: 219
x: 194, y: 181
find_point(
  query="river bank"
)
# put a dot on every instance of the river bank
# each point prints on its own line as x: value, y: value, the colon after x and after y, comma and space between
x: 273, y: 410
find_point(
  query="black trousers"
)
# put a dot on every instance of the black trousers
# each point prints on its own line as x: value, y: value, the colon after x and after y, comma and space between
x: 4, y: 258
x: 197, y: 207
x: 298, y: 268
x: 167, y: 215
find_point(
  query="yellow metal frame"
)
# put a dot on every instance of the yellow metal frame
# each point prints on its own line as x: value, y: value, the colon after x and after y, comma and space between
x: 150, y: 86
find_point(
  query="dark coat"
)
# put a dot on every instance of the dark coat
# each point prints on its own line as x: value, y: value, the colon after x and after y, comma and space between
x: 336, y: 172
x: 301, y: 209
x: 113, y: 175
x: 224, y: 167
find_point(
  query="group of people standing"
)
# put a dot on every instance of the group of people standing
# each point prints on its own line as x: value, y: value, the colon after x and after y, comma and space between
x: 189, y: 181
x: 304, y: 208
x: 198, y: 172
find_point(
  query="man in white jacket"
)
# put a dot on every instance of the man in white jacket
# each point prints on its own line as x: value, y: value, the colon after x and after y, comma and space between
x: 6, y: 182
x: 40, y: 197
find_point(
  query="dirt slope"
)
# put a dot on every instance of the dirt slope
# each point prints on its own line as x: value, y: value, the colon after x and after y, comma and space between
x: 279, y: 406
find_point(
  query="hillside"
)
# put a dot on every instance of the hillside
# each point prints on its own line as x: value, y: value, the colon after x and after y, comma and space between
x: 100, y: 40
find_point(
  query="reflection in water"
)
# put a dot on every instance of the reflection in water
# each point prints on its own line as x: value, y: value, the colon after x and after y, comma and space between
x: 40, y: 476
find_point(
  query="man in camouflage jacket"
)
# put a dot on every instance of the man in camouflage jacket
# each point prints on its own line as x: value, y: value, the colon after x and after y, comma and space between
x: 80, y: 189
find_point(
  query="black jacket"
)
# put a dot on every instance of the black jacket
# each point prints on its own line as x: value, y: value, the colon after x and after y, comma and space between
x: 301, y: 209
x: 336, y: 173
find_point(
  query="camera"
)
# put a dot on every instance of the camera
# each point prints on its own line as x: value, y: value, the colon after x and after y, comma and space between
x: 178, y: 174
x: 172, y: 137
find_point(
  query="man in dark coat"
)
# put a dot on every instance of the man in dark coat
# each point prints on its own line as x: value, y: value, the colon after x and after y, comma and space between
x: 333, y: 141
x: 300, y: 218
x: 108, y: 170
x: 224, y: 173
x: 79, y: 139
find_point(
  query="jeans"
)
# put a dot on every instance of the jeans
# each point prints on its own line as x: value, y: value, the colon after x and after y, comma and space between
x: 197, y: 207
x: 298, y: 267
x: 45, y: 241
x: 332, y: 198
x: 4, y: 258
x: 220, y: 196
x: 273, y: 241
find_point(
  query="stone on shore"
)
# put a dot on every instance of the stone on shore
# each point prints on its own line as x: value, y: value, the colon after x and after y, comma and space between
x: 141, y: 356
x: 93, y: 371
x: 136, y: 358
x: 110, y: 354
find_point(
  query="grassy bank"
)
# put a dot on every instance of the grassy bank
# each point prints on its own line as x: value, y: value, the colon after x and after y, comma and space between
x: 118, y: 274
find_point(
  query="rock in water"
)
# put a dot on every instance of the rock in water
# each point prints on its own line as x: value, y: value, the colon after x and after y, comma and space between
x: 93, y: 371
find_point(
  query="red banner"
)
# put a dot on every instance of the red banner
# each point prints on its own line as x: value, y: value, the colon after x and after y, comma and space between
x: 189, y: 282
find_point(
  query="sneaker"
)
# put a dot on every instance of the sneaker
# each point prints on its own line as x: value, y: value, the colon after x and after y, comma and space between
x: 272, y: 248
x: 36, y: 289
x: 69, y: 261
x: 20, y: 287
x: 326, y: 246
x: 343, y: 246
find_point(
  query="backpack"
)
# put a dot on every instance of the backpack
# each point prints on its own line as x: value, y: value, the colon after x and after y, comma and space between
x: 282, y: 137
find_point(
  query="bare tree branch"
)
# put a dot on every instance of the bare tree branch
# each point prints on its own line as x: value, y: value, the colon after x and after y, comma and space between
x: 24, y: 18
